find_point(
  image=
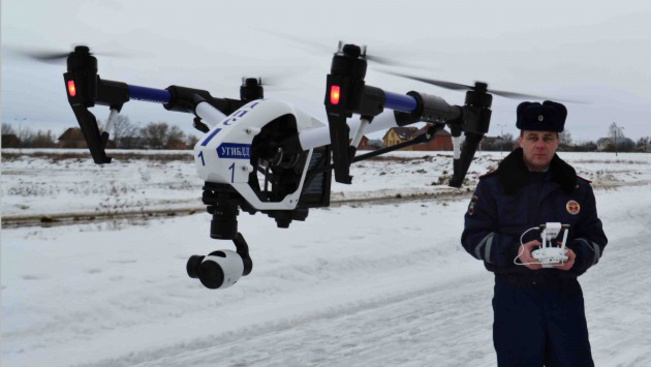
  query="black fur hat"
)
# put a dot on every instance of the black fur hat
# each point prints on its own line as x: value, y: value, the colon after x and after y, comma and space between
x: 548, y: 116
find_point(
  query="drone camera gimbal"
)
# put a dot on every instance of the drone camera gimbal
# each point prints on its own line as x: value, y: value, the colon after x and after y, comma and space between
x: 222, y: 268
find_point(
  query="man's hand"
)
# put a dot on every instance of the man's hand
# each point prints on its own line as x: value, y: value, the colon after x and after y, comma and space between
x: 571, y: 256
x: 525, y: 255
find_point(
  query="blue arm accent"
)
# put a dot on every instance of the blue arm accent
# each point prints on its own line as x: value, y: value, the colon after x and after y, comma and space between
x: 149, y: 94
x: 400, y: 102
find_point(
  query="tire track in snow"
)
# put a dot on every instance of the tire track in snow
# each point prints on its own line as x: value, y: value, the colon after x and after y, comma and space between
x: 338, y: 199
x: 445, y: 324
x: 62, y: 219
x: 617, y: 303
x: 374, y: 332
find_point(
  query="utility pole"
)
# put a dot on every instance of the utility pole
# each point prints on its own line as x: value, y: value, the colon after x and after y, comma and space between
x: 616, y: 138
x: 617, y: 133
x: 20, y: 132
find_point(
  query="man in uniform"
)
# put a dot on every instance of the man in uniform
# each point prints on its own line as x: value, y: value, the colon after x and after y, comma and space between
x: 539, y: 316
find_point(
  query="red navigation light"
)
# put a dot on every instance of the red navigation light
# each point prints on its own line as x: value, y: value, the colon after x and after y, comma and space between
x: 335, y: 93
x: 72, y: 89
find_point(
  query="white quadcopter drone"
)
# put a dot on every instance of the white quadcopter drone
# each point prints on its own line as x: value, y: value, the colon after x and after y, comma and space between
x: 264, y: 155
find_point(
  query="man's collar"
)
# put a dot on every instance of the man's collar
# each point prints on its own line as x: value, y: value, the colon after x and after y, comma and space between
x: 514, y: 174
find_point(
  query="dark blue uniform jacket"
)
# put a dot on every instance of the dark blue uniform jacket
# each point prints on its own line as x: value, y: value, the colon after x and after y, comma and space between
x: 511, y: 199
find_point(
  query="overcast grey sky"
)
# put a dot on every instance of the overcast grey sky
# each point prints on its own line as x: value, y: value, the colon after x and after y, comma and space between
x: 598, y: 51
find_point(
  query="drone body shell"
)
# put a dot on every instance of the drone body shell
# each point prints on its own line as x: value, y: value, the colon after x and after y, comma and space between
x: 224, y: 154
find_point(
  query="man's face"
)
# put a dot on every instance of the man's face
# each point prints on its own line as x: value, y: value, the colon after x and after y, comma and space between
x: 538, y: 148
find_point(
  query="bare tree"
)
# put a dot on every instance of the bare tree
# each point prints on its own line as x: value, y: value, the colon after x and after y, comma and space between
x: 162, y: 136
x: 26, y: 137
x: 507, y: 142
x: 39, y: 139
x: 7, y: 129
x: 566, y: 138
x: 626, y: 144
x: 587, y: 146
x: 9, y: 137
x: 192, y: 141
x: 154, y: 135
x: 124, y: 132
x: 175, y: 137
x: 614, y: 133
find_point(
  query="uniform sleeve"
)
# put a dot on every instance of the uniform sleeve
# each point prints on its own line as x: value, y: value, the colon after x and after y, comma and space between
x: 480, y: 237
x: 589, y: 237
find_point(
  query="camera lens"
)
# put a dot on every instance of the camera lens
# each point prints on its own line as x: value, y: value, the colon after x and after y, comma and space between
x: 193, y: 265
x: 211, y: 275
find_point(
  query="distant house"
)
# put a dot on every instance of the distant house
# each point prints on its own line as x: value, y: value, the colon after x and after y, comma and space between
x: 376, y: 144
x: 604, y: 143
x: 363, y: 144
x: 367, y: 144
x: 72, y: 138
x: 495, y: 143
x: 10, y: 141
x: 442, y: 140
x: 646, y: 147
x: 176, y: 145
x: 397, y: 135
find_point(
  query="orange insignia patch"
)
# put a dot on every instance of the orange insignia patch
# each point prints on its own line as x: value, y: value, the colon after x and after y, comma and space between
x: 573, y: 207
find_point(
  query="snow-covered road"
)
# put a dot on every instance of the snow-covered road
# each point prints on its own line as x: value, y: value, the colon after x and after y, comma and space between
x: 384, y: 285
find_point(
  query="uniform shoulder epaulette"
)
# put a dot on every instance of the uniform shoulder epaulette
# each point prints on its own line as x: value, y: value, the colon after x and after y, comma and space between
x: 488, y: 174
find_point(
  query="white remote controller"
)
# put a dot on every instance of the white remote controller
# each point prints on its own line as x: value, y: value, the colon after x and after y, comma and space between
x: 550, y: 256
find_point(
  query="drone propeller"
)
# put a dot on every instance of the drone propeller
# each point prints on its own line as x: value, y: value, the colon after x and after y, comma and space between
x: 478, y: 85
x: 346, y: 48
x: 266, y: 80
x: 57, y: 56
x: 46, y: 56
x: 327, y: 49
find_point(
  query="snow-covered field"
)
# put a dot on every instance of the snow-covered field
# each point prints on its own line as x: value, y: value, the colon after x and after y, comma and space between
x: 367, y: 284
x: 41, y: 182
